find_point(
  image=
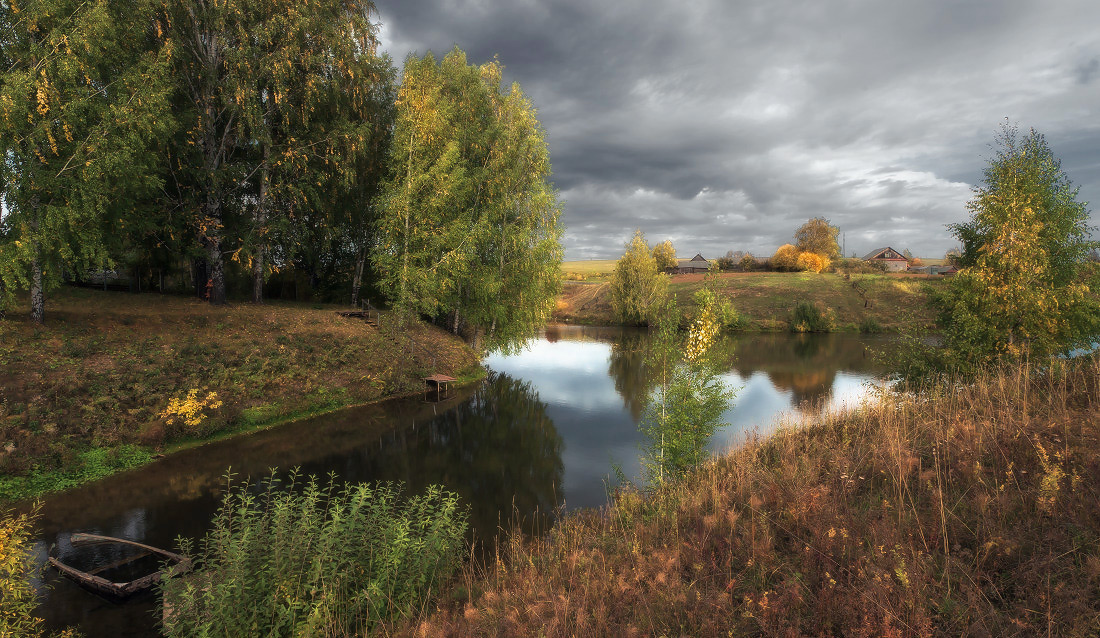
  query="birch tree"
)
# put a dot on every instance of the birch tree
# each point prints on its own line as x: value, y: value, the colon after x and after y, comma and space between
x: 470, y: 232
x: 83, y: 101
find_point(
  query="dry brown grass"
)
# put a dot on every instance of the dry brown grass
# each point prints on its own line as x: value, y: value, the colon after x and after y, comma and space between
x: 584, y: 303
x: 966, y: 511
x: 104, y: 366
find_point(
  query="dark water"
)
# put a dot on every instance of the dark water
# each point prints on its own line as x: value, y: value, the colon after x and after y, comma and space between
x: 537, y: 436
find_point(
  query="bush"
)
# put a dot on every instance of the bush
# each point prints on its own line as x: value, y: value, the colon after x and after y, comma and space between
x: 786, y: 258
x: 637, y: 285
x: 870, y: 326
x: 322, y: 562
x: 812, y: 262
x: 18, y: 599
x: 808, y: 317
x: 748, y: 262
x: 725, y: 314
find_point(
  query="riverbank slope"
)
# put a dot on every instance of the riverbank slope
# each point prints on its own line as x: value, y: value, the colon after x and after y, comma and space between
x: 968, y: 510
x: 85, y: 394
x: 765, y: 299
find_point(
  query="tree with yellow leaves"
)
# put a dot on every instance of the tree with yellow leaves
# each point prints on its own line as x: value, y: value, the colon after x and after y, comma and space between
x: 665, y: 254
x: 811, y: 262
x: 470, y: 217
x: 1022, y: 290
x: 638, y: 287
x: 785, y: 258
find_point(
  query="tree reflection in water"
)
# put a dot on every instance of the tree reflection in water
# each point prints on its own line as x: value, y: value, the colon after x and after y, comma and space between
x: 497, y: 449
x: 805, y: 365
x: 628, y: 370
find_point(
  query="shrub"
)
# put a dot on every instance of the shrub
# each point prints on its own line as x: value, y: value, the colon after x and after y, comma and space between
x: 870, y: 326
x: 17, y: 597
x: 748, y: 262
x: 786, y: 258
x: 725, y: 315
x: 319, y: 562
x: 188, y: 415
x: 809, y: 317
x: 812, y: 262
x: 637, y: 285
x: 687, y: 406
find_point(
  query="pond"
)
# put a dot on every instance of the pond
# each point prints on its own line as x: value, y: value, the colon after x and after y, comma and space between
x: 538, y: 436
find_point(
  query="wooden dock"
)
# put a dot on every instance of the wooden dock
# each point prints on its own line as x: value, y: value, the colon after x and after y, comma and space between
x: 440, y: 381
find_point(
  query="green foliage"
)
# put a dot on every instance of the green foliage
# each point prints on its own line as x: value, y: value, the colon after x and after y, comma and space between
x: 869, y: 325
x: 470, y: 217
x: 709, y: 299
x: 1022, y: 290
x: 665, y: 254
x: 307, y: 560
x: 811, y: 317
x: 687, y: 404
x: 89, y: 465
x: 638, y: 287
x: 17, y: 596
x: 75, y: 157
x: 819, y: 237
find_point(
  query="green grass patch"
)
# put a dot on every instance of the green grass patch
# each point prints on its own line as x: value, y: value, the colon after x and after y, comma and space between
x: 89, y: 465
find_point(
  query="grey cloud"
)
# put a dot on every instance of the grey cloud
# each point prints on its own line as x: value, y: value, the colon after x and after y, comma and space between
x: 725, y: 125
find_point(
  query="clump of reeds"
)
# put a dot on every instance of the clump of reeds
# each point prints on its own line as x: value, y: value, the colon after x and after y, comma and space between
x: 313, y: 560
x: 961, y: 510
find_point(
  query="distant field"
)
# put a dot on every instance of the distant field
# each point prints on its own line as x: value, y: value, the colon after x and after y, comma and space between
x: 765, y: 298
x: 589, y: 268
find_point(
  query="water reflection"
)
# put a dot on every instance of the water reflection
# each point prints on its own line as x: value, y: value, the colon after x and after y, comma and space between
x: 543, y: 429
x: 494, y: 445
x: 775, y: 373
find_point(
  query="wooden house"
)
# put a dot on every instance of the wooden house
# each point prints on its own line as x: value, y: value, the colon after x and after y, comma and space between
x: 689, y: 266
x: 894, y: 260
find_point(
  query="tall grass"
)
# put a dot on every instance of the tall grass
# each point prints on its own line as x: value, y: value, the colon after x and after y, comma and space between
x: 963, y: 510
x: 313, y: 560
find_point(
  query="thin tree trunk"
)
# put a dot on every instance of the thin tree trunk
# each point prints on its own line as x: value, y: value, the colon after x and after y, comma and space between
x: 38, y: 300
x: 261, y: 235
x: 215, y: 272
x: 408, y: 196
x: 357, y: 279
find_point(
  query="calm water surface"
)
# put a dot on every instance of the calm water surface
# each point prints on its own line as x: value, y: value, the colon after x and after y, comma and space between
x: 538, y: 436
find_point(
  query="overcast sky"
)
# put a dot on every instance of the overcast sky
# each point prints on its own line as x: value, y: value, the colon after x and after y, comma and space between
x: 724, y: 125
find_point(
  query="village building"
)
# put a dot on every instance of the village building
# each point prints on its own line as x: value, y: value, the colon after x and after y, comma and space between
x: 688, y: 266
x: 892, y: 259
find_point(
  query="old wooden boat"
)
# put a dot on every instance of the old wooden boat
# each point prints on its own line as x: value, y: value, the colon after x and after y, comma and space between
x: 91, y: 580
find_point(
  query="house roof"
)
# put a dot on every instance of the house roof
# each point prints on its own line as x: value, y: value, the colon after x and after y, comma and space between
x: 881, y: 253
x: 697, y: 261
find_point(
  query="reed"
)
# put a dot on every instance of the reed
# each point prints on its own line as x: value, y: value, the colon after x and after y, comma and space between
x: 305, y: 559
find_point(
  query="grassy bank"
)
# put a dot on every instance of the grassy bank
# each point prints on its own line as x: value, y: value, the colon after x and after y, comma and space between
x: 894, y: 302
x: 967, y: 511
x: 84, y: 395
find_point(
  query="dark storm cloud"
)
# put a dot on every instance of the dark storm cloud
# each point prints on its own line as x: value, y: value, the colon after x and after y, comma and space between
x: 726, y: 125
